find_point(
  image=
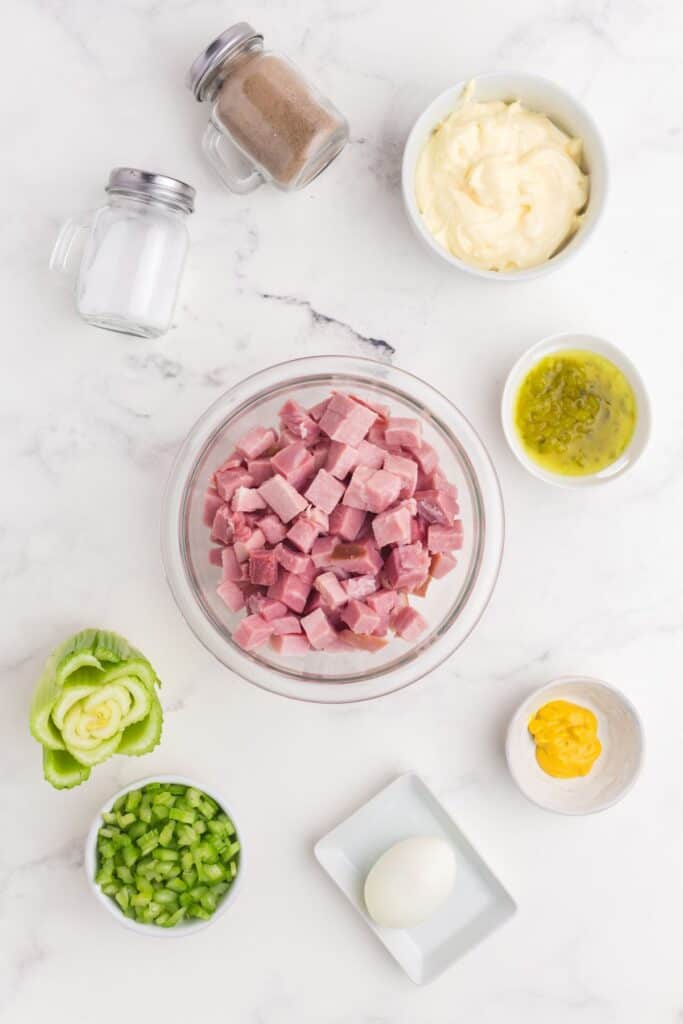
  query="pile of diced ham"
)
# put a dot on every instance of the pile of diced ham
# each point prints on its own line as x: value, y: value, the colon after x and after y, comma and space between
x: 325, y: 527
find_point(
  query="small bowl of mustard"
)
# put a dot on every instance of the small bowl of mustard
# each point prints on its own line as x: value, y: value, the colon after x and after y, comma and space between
x: 575, y: 746
x: 575, y: 411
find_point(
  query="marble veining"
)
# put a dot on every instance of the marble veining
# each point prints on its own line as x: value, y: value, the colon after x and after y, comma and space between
x: 90, y: 423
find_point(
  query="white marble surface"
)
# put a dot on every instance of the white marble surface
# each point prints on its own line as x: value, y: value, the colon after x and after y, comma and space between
x: 591, y: 581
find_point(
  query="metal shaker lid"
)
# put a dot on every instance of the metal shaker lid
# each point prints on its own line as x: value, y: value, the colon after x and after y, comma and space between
x: 234, y: 40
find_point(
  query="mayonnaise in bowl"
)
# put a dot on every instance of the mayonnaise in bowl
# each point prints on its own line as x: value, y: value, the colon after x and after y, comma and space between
x: 500, y: 186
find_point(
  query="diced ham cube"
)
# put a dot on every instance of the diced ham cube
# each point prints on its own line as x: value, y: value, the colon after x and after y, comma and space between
x: 376, y: 434
x: 404, y: 468
x: 291, y: 590
x: 382, y: 490
x: 330, y: 589
x: 222, y: 530
x: 341, y: 459
x: 441, y: 565
x: 282, y: 498
x: 263, y: 567
x: 247, y: 499
x: 303, y: 533
x: 255, y: 442
x: 273, y: 529
x: 346, y: 522
x: 346, y: 420
x: 290, y: 646
x: 316, y: 411
x: 401, y: 431
x: 215, y: 556
x: 318, y: 518
x: 436, y: 506
x: 359, y: 587
x: 231, y: 566
x: 318, y: 629
x: 321, y: 552
x: 294, y: 463
x: 392, y: 527
x: 359, y: 557
x: 382, y: 602
x: 359, y: 617
x: 264, y: 606
x: 426, y: 457
x: 251, y: 632
x: 243, y: 548
x: 228, y: 480
x: 286, y: 624
x: 212, y: 502
x: 231, y: 595
x: 382, y: 410
x: 297, y: 421
x: 292, y: 561
x: 325, y: 492
x: 355, y: 495
x: 259, y: 470
x: 320, y: 453
x: 445, y: 538
x: 405, y: 567
x: 362, y: 641
x: 409, y: 624
x: 370, y: 455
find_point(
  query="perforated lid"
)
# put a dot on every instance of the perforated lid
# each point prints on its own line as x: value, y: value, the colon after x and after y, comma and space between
x: 234, y: 40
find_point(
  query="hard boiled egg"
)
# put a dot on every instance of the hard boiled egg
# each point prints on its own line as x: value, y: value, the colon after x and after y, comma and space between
x: 409, y: 882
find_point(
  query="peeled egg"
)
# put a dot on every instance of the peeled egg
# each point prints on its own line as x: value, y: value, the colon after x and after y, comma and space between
x: 409, y: 881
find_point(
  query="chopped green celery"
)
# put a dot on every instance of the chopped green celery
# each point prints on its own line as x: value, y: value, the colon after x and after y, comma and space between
x: 186, y: 860
x: 109, y: 817
x: 217, y: 828
x: 125, y: 874
x: 191, y: 877
x: 160, y: 813
x: 133, y: 800
x: 143, y: 885
x: 185, y: 899
x: 205, y: 851
x: 165, y: 896
x: 125, y: 820
x: 208, y: 901
x: 122, y: 897
x: 120, y: 803
x: 163, y: 919
x: 176, y: 885
x: 221, y: 888
x: 110, y: 889
x: 108, y: 833
x: 105, y: 872
x: 193, y: 796
x: 199, y: 827
x: 195, y: 910
x: 232, y: 867
x: 165, y: 854
x: 175, y: 918
x: 137, y: 830
x: 208, y: 807
x: 177, y: 788
x: 121, y: 839
x: 186, y: 835
x: 166, y: 834
x: 148, y: 841
x: 140, y: 899
x: 153, y: 787
x: 213, y: 873
x: 129, y: 855
x: 106, y: 848
x: 187, y: 816
x: 164, y: 797
x: 145, y: 811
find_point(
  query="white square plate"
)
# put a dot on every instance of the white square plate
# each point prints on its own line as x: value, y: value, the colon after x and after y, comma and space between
x: 477, y: 905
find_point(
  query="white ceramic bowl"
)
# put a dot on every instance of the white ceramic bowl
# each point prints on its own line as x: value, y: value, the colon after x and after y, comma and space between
x: 538, y: 94
x: 90, y: 862
x: 620, y: 732
x: 589, y: 343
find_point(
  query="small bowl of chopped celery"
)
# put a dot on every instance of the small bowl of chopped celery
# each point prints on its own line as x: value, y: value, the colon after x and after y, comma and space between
x: 163, y: 856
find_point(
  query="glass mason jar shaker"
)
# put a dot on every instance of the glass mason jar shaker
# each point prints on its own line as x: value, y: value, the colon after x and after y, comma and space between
x: 267, y: 122
x: 126, y: 258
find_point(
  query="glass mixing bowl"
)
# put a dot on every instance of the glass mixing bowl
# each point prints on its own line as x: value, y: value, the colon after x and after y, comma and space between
x: 452, y: 606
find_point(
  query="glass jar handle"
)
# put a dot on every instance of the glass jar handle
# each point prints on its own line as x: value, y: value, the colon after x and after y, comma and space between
x: 232, y: 166
x: 68, y: 248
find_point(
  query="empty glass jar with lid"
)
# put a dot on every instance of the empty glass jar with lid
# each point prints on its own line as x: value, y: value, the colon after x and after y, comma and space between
x: 126, y: 258
x: 268, y: 123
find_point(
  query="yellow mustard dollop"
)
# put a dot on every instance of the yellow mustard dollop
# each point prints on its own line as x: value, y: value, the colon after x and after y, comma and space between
x: 566, y: 737
x: 500, y: 186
